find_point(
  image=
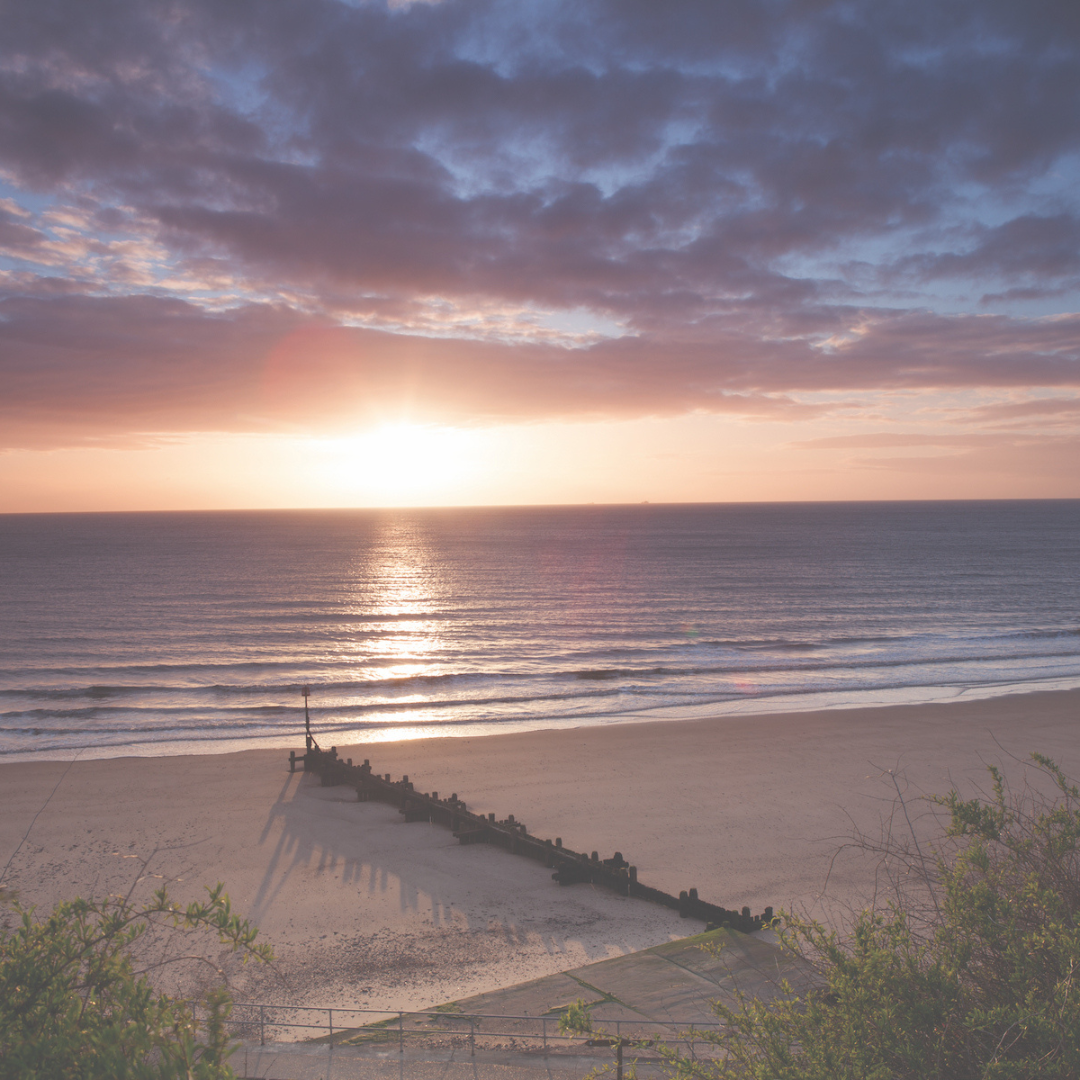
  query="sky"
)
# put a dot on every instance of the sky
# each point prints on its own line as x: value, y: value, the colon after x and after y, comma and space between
x: 273, y: 253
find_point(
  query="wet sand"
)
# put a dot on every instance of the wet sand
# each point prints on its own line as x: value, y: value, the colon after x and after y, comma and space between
x: 366, y: 910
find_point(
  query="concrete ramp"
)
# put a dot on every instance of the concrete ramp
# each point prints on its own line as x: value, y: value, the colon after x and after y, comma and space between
x: 670, y: 983
x: 659, y: 993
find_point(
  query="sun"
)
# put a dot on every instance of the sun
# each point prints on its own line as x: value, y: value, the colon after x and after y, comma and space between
x: 407, y: 464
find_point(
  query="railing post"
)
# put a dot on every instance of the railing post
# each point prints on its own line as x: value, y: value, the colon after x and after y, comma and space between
x: 330, y: 1013
x: 543, y: 1020
x: 472, y: 1037
x: 262, y: 1026
x: 401, y: 1032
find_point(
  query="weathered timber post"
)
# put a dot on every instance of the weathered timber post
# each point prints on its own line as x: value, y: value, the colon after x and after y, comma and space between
x: 468, y: 827
x: 307, y: 718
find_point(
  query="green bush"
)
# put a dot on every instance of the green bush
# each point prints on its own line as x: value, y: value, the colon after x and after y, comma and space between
x: 74, y: 1002
x: 576, y: 1019
x: 983, y: 981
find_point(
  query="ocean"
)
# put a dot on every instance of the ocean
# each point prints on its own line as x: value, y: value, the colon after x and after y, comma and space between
x: 166, y: 633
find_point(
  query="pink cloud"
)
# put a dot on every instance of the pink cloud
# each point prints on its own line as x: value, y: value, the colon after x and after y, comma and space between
x: 221, y: 188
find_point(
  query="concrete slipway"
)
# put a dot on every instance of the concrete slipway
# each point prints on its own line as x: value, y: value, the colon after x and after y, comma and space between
x: 660, y: 992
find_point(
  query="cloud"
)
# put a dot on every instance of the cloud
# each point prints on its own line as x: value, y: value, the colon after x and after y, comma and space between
x: 302, y: 213
x: 1041, y: 412
x: 1042, y: 460
x: 1042, y: 248
x: 144, y: 364
x: 880, y: 440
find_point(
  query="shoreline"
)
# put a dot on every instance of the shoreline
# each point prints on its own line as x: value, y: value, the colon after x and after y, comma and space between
x: 366, y: 910
x: 736, y: 709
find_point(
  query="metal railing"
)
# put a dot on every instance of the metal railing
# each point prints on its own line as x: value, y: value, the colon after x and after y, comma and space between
x: 277, y: 1023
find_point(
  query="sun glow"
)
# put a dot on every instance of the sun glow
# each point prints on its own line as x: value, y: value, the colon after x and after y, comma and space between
x: 405, y: 464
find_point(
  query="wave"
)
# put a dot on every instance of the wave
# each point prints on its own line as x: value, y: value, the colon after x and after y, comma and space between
x: 436, y: 683
x: 230, y: 730
x: 207, y: 626
x: 269, y: 711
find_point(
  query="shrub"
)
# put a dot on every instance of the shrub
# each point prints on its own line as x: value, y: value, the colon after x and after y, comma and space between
x: 74, y: 1002
x: 981, y: 981
x: 576, y: 1020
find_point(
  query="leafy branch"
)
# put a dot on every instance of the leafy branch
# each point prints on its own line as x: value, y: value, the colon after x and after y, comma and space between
x: 73, y: 1002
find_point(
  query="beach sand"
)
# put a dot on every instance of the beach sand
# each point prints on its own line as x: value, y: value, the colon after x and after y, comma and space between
x: 365, y: 910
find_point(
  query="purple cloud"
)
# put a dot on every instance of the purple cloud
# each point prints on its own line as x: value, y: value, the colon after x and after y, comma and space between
x: 394, y: 207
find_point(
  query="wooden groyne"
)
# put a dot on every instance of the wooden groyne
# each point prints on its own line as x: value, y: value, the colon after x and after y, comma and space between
x: 571, y: 867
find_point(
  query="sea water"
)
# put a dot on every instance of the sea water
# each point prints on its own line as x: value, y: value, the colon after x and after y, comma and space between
x: 160, y: 633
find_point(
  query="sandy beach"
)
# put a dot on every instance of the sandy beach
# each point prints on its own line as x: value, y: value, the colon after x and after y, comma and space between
x: 366, y: 910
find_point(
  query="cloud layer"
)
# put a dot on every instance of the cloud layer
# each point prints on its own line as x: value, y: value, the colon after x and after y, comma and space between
x: 250, y: 216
